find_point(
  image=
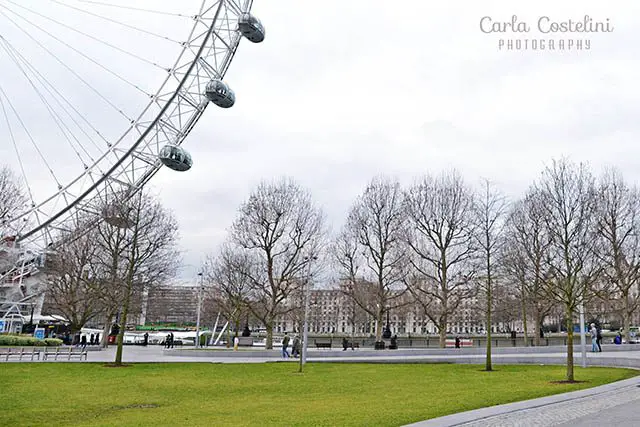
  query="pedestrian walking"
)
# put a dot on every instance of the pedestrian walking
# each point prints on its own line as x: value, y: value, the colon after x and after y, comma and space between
x: 295, y: 348
x: 599, y: 339
x: 285, y: 345
x: 236, y: 343
x: 594, y: 338
x: 83, y: 342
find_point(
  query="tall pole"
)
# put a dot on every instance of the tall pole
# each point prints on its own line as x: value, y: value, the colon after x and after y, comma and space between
x: 198, y: 315
x: 583, y: 340
x: 305, y: 335
x: 305, y: 328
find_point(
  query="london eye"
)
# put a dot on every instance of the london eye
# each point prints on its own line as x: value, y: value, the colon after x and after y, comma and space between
x: 95, y: 98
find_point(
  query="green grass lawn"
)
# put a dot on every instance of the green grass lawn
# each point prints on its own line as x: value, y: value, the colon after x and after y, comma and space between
x: 206, y: 394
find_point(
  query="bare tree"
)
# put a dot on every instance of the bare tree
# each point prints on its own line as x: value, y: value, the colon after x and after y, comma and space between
x: 229, y: 284
x: 568, y: 201
x: 440, y: 237
x: 524, y: 258
x: 281, y: 232
x: 73, y: 291
x: 13, y: 200
x: 355, y: 316
x: 618, y: 225
x: 490, y: 212
x: 369, y: 250
x: 506, y: 308
x: 141, y: 255
x: 110, y: 268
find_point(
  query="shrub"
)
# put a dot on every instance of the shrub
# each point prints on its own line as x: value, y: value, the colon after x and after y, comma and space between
x: 27, y: 341
x: 7, y: 340
x: 52, y: 342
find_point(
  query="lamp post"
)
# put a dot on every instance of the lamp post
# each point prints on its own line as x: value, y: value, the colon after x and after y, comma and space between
x: 583, y: 340
x: 387, y: 332
x: 198, y: 314
x: 305, y: 334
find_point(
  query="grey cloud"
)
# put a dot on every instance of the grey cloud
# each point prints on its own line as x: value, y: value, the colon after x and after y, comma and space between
x: 340, y: 92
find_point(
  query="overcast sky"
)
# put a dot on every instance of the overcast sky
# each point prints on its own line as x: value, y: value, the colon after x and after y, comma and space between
x: 342, y: 90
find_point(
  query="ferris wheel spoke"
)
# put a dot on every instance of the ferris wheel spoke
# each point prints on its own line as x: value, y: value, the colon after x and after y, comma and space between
x: 119, y: 49
x: 100, y: 3
x: 33, y: 143
x: 132, y: 27
x: 75, y: 74
x: 15, y: 146
x: 60, y: 99
x: 85, y: 56
x: 64, y: 129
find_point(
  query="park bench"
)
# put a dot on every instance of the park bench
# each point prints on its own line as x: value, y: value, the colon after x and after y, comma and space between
x: 352, y: 345
x: 62, y: 352
x: 32, y: 352
x: 245, y: 341
x: 322, y: 344
x: 451, y: 343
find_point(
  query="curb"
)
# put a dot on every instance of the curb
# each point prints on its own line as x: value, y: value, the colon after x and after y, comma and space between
x: 509, y: 408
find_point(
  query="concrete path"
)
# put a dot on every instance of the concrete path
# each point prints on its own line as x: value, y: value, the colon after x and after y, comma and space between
x: 612, y: 404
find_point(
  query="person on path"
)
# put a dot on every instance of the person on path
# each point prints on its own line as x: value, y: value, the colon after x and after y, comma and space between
x: 594, y: 338
x: 599, y: 339
x: 285, y: 344
x: 618, y: 339
x: 236, y: 343
x: 83, y: 342
x: 295, y: 348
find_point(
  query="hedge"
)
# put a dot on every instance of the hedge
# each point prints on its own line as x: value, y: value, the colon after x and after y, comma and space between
x: 27, y: 340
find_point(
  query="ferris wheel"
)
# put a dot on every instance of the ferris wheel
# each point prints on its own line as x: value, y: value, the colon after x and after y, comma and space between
x: 95, y: 98
x: 80, y: 116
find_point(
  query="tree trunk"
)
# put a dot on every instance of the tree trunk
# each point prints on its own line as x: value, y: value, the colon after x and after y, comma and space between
x: 442, y: 332
x: 379, y: 326
x: 488, y: 365
x: 105, y: 331
x: 569, y: 321
x: 269, y: 343
x: 123, y: 324
x: 524, y: 321
x: 538, y: 323
x: 626, y: 317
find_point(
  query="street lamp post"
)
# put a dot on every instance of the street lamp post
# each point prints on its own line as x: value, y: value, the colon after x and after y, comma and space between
x: 198, y: 314
x: 583, y: 340
x: 305, y: 333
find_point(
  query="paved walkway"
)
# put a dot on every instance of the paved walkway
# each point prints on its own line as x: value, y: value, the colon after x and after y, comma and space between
x: 612, y: 404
